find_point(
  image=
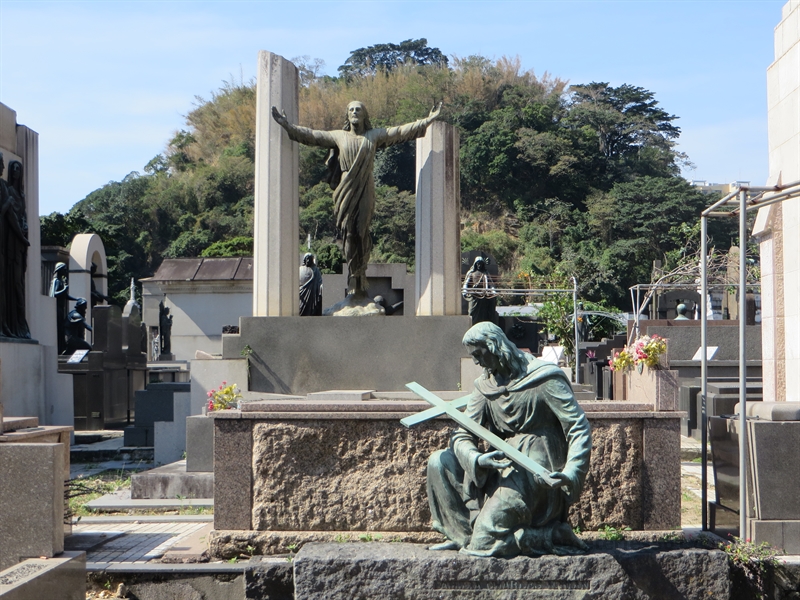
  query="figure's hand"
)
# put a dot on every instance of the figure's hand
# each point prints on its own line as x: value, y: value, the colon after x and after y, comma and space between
x: 493, y: 460
x: 558, y: 479
x: 280, y: 116
x: 435, y: 111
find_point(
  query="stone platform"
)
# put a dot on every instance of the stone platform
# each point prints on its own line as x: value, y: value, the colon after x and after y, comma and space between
x: 291, y: 472
x: 172, y: 481
x: 62, y: 577
x: 630, y: 570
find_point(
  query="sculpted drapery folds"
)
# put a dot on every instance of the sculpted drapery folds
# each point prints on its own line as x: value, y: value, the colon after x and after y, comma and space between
x: 310, y: 287
x: 482, y: 502
x: 13, y: 253
x: 350, y: 175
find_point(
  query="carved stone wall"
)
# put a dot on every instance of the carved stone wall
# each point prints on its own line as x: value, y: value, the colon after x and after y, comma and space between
x: 309, y: 471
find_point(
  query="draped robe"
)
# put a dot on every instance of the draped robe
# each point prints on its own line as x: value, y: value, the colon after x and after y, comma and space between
x: 354, y: 194
x: 503, y: 513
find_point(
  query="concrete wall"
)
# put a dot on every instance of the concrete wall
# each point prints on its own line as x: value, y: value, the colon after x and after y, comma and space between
x: 778, y: 226
x: 30, y: 384
x: 299, y: 355
x: 199, y: 311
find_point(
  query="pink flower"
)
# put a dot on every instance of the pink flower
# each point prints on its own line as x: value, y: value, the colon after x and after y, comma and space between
x: 224, y: 383
x: 210, y: 394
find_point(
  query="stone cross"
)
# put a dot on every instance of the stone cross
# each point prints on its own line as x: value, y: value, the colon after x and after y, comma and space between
x: 451, y: 410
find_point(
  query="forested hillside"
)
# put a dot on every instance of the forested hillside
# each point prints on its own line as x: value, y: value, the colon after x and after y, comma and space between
x: 556, y: 180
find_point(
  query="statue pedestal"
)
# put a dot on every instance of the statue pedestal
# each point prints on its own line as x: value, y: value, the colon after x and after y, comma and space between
x: 410, y: 571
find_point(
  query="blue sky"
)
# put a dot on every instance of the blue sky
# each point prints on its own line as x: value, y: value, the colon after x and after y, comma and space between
x: 106, y: 84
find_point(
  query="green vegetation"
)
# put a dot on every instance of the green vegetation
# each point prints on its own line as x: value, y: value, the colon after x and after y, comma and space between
x: 556, y: 181
x: 752, y: 565
x: 613, y: 534
x: 83, y: 490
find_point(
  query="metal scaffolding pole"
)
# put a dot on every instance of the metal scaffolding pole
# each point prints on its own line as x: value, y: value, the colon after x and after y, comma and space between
x: 704, y: 369
x: 577, y: 337
x: 765, y: 196
x: 742, y: 364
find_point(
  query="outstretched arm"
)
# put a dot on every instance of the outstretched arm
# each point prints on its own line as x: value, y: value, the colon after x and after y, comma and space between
x: 410, y: 131
x: 304, y: 135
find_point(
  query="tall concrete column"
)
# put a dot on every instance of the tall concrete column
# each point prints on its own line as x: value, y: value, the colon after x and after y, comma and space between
x: 438, y: 230
x: 275, y: 248
x: 778, y: 226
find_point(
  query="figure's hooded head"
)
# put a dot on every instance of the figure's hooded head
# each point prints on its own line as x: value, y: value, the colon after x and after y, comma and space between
x: 490, y: 337
x: 357, y: 114
x: 308, y: 259
x: 15, y: 174
x: 60, y: 267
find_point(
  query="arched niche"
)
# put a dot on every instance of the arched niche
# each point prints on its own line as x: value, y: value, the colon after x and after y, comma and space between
x: 87, y: 249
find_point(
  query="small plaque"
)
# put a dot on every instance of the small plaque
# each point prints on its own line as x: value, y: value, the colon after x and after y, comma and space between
x: 77, y: 356
x: 711, y: 352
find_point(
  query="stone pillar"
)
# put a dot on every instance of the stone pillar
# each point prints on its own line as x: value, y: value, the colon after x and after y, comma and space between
x: 438, y: 241
x: 275, y: 250
x: 778, y: 226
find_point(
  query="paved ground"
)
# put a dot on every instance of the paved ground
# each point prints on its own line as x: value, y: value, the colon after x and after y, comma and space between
x: 134, y: 541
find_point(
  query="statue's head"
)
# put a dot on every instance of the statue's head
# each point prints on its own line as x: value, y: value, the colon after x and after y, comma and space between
x: 15, y: 172
x: 491, y: 349
x: 80, y: 305
x: 94, y: 268
x: 357, y: 115
x: 308, y: 259
x: 479, y: 264
x: 60, y: 267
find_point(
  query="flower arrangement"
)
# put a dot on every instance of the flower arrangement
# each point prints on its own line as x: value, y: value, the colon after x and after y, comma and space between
x: 226, y: 396
x: 645, y: 350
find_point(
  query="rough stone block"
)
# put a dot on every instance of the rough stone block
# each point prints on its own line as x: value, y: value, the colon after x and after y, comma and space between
x: 612, y: 493
x: 31, y: 501
x: 233, y: 477
x: 395, y: 571
x: 355, y: 475
x: 63, y: 577
x: 661, y: 474
x: 288, y: 476
x: 199, y: 444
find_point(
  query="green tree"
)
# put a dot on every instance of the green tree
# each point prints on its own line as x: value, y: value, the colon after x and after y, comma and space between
x: 385, y: 57
x: 238, y: 246
x: 634, y: 135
